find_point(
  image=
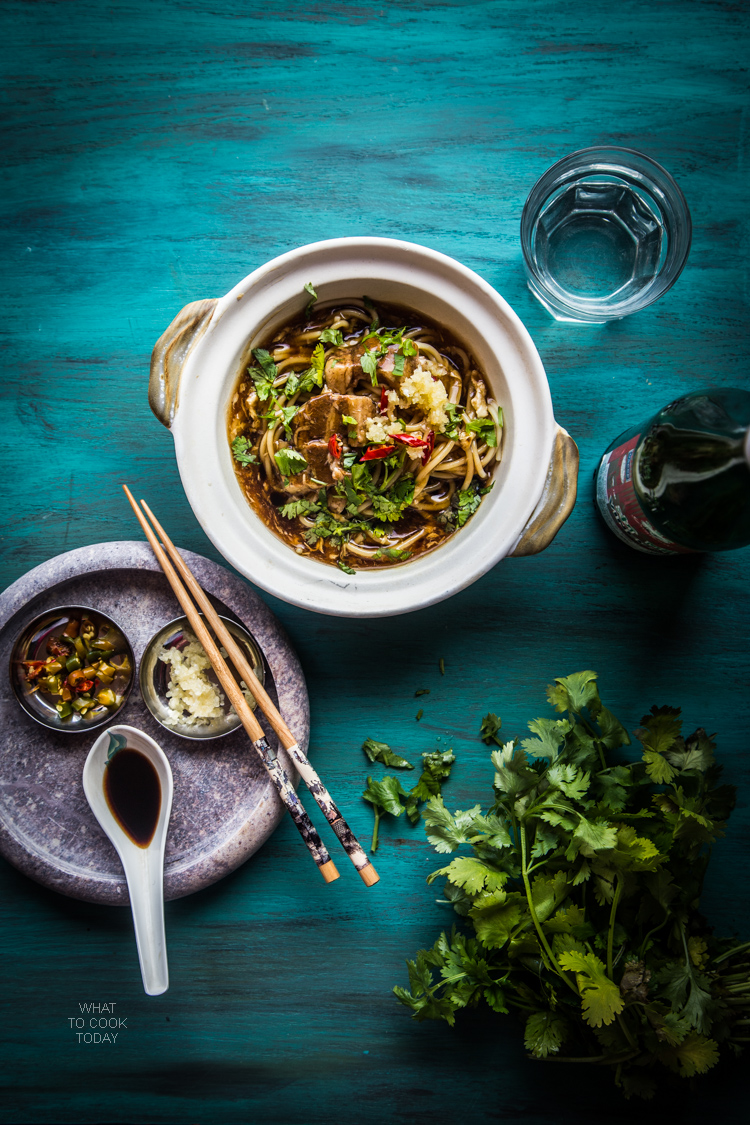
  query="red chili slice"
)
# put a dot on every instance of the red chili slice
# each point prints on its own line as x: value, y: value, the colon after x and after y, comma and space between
x: 335, y: 447
x: 383, y: 401
x: 410, y: 439
x: 82, y: 686
x: 378, y: 453
x: 430, y: 446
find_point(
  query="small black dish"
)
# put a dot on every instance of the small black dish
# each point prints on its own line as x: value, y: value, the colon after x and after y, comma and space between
x: 47, y: 632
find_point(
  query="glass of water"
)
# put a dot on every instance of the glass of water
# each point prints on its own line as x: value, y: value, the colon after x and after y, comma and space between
x: 604, y: 233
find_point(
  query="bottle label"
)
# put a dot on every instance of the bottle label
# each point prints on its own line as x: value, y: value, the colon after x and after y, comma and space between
x: 620, y: 507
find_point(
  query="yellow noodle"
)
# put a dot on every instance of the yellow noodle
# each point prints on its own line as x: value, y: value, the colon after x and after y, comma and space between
x: 477, y: 462
x: 469, y: 466
x: 434, y: 461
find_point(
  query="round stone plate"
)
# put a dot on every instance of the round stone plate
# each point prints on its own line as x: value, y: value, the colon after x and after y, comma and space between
x: 225, y: 805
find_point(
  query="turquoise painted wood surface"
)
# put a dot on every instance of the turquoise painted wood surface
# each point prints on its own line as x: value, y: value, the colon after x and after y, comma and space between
x: 155, y: 153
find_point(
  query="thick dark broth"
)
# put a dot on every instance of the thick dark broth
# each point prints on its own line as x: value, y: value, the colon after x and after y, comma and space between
x: 133, y: 793
x: 426, y: 397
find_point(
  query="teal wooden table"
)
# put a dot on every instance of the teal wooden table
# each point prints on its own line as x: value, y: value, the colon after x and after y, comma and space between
x: 155, y: 153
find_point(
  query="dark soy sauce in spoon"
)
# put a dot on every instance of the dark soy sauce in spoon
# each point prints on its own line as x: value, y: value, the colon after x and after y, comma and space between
x: 133, y: 793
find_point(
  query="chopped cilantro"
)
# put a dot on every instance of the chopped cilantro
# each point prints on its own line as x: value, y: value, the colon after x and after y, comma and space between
x: 420, y: 713
x: 263, y: 357
x: 290, y: 462
x: 348, y: 420
x: 332, y: 336
x: 284, y: 415
x: 312, y: 377
x: 381, y: 752
x: 343, y: 566
x: 484, y: 428
x: 296, y: 508
x: 398, y: 365
x: 453, y: 424
x: 242, y: 449
x: 263, y: 385
x: 464, y: 504
x: 369, y: 364
x: 391, y: 506
x: 422, y: 691
x: 437, y: 767
x: 441, y: 666
x: 397, y: 554
x: 408, y: 347
x: 308, y: 287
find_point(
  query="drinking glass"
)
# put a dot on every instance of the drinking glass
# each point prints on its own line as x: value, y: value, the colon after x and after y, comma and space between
x: 604, y: 232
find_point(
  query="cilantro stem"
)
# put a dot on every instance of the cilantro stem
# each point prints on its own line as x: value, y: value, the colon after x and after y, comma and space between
x: 532, y: 911
x: 611, y: 931
x: 731, y: 953
x: 374, y: 844
x: 601, y: 1060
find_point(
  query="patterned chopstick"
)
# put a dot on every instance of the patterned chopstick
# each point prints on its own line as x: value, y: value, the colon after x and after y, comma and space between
x: 349, y: 842
x: 276, y: 771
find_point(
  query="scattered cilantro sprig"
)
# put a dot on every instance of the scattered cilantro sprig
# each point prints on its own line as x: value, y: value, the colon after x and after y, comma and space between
x: 388, y: 795
x: 580, y: 888
x: 242, y: 449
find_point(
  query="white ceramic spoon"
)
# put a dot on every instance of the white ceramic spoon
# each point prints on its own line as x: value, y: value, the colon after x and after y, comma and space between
x: 143, y: 866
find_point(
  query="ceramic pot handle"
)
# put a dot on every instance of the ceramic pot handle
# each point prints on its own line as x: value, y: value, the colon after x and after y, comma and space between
x: 169, y: 355
x: 557, y: 499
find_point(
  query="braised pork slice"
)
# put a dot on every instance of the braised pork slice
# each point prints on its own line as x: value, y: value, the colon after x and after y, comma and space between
x: 323, y: 416
x: 343, y: 369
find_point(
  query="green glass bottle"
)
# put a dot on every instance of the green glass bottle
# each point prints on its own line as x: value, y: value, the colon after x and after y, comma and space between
x: 681, y: 482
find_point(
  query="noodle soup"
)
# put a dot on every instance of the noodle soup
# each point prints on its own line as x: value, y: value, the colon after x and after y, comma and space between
x: 363, y: 434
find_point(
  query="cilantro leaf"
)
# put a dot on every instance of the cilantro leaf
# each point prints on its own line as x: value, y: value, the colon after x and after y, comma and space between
x: 394, y: 553
x: 308, y: 287
x: 386, y: 797
x: 495, y: 915
x: 296, y: 508
x: 381, y: 752
x: 369, y: 365
x: 391, y: 505
x: 544, y: 1034
x: 290, y: 462
x: 600, y: 997
x: 484, y: 428
x: 490, y: 728
x: 472, y: 874
x: 242, y: 448
x: 436, y: 769
x: 332, y: 336
x: 452, y: 426
x: 445, y: 831
x: 263, y: 384
x: 408, y: 347
x: 345, y: 567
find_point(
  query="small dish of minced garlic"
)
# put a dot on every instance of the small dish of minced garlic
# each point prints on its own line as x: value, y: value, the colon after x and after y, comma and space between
x: 180, y: 688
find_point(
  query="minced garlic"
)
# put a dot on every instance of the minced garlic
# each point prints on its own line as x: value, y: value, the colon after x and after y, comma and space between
x: 377, y: 432
x: 424, y: 389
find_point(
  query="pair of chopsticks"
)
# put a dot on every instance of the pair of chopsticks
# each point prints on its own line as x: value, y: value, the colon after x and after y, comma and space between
x: 184, y: 585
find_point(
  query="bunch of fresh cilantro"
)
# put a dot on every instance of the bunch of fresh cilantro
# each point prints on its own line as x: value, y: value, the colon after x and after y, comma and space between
x: 580, y: 889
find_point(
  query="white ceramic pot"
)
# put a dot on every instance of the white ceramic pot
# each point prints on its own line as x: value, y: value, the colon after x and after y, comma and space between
x: 196, y: 362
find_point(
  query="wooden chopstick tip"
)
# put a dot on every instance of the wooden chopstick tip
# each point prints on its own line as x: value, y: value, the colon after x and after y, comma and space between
x: 329, y: 871
x: 369, y: 875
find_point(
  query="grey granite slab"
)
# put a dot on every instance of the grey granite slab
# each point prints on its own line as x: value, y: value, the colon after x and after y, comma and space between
x: 225, y: 806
